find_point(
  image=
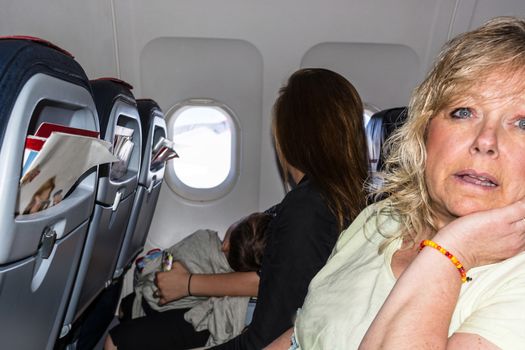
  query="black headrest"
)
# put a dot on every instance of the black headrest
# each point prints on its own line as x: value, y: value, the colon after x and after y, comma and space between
x: 106, y: 91
x: 380, y: 127
x: 38, y: 41
x: 21, y: 59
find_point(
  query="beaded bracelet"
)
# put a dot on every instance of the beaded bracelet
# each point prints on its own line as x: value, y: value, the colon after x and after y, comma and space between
x: 189, y: 284
x: 446, y: 253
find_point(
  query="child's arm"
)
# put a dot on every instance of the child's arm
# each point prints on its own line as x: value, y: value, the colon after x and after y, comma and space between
x: 176, y: 284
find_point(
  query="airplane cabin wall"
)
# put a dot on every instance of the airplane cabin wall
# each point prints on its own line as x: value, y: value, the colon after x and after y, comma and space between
x: 84, y: 28
x: 240, y: 52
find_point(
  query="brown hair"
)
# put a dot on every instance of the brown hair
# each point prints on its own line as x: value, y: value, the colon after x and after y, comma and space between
x: 468, y: 59
x: 247, y: 242
x: 318, y: 129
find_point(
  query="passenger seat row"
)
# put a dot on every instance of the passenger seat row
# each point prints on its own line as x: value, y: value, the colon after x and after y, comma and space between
x: 55, y: 262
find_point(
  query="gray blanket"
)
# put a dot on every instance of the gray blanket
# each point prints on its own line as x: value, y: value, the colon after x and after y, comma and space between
x: 200, y: 252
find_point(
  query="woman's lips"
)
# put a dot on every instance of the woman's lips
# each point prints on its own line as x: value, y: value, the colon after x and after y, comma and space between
x: 480, y: 179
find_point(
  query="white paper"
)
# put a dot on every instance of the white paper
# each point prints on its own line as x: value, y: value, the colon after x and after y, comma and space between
x: 63, y: 159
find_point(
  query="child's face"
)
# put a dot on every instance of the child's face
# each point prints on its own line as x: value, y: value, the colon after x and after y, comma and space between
x: 226, y: 240
x: 226, y: 243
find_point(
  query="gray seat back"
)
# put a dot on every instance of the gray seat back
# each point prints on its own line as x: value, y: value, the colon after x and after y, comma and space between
x: 150, y: 181
x: 116, y: 107
x: 39, y: 252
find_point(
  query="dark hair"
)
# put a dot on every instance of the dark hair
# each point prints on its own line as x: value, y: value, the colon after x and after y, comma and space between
x: 318, y: 129
x: 247, y: 242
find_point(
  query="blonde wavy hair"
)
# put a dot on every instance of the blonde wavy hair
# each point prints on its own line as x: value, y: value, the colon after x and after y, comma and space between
x: 498, y: 45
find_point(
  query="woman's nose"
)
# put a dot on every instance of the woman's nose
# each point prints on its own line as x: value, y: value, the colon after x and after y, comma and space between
x: 486, y: 141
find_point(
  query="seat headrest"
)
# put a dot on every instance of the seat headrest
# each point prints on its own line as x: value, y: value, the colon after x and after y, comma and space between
x: 106, y: 91
x: 116, y: 81
x: 378, y: 129
x: 23, y: 57
x: 38, y: 41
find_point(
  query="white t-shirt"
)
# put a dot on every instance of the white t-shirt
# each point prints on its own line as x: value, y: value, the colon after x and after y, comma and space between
x: 344, y: 297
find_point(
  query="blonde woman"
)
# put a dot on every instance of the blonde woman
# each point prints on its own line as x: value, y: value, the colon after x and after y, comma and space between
x: 440, y: 263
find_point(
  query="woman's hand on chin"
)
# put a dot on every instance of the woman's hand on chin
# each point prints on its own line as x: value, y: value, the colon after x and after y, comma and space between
x: 485, y: 237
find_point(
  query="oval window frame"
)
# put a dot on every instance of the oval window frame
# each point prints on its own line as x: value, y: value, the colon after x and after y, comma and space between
x: 213, y: 193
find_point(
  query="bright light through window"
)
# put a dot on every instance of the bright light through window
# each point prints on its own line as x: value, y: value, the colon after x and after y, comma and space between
x: 203, y: 140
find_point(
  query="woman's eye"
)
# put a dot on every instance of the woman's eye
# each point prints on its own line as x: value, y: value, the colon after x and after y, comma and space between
x: 461, y: 113
x: 520, y: 124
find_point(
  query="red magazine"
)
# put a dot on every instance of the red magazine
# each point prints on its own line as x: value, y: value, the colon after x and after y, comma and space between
x: 45, y: 129
x: 34, y: 143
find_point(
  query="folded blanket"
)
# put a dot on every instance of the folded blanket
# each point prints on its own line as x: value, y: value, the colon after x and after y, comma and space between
x: 200, y: 252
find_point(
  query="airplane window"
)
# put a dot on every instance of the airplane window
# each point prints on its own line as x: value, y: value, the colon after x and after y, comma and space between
x: 203, y: 140
x: 204, y: 134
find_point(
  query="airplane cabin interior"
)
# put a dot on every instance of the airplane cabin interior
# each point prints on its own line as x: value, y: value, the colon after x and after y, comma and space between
x: 159, y: 119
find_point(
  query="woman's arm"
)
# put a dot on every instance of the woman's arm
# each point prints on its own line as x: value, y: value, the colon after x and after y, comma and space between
x: 419, y: 308
x: 176, y: 284
x: 301, y: 239
x: 283, y: 342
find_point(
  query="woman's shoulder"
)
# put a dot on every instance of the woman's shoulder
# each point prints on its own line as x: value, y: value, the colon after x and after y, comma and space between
x: 371, y: 226
x: 496, y: 289
x: 503, y: 274
x: 306, y: 204
x: 304, y: 213
x: 304, y: 196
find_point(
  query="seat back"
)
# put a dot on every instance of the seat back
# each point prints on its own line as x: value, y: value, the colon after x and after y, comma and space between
x: 101, y: 312
x: 39, y: 252
x: 378, y: 129
x: 117, y: 185
x: 150, y: 180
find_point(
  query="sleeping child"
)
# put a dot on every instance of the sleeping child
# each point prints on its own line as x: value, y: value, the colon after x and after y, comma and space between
x: 201, y: 252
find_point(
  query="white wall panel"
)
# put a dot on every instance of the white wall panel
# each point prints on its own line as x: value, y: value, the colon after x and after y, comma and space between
x: 384, y: 74
x: 84, y: 28
x: 486, y: 9
x: 230, y: 71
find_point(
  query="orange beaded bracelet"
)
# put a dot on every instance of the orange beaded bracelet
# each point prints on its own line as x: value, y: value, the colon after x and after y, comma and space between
x: 446, y: 253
